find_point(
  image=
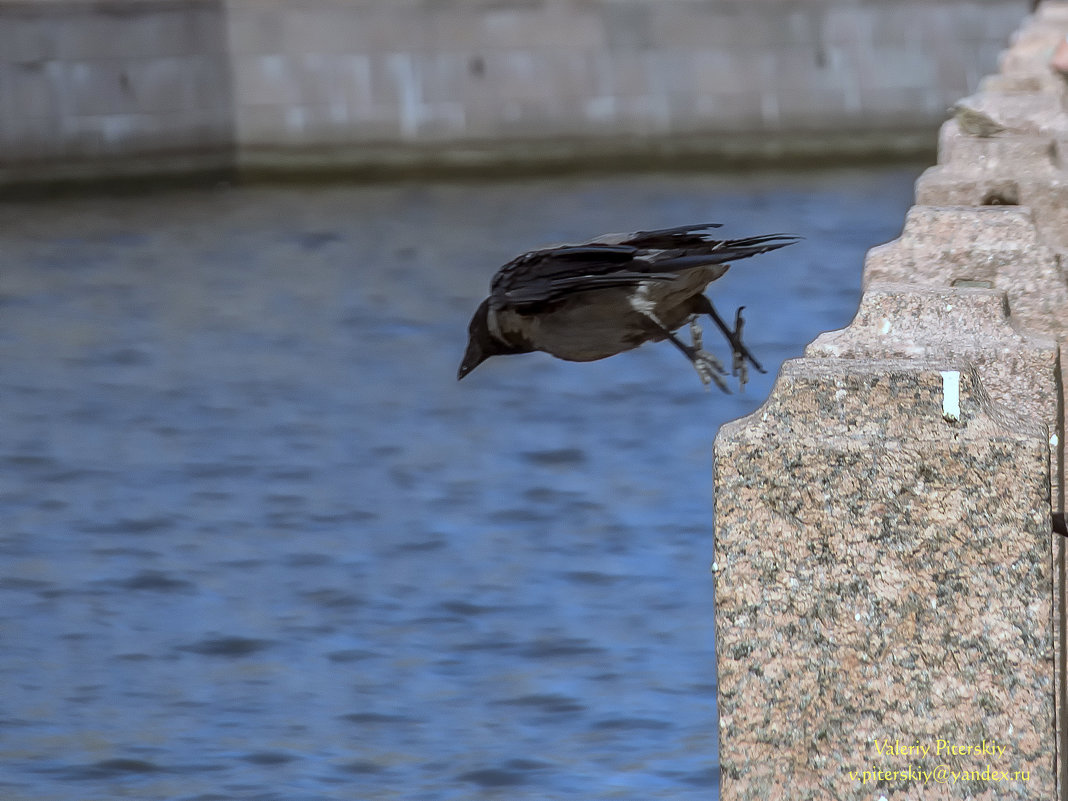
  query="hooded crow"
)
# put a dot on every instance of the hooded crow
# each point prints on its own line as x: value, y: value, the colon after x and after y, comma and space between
x: 590, y: 301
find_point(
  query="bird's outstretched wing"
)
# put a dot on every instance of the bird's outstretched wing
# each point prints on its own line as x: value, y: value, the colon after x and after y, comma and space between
x: 548, y: 275
x: 544, y: 276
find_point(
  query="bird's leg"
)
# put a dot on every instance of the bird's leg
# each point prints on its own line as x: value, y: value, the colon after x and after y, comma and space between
x: 739, y: 352
x: 708, y: 367
x: 696, y: 334
x: 738, y: 365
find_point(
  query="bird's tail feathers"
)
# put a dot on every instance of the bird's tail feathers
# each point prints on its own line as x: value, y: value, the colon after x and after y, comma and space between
x: 724, y: 251
x: 755, y: 245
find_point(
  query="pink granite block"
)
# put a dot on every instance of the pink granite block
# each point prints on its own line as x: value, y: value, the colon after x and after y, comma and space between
x: 1052, y: 12
x: 1038, y: 80
x: 993, y: 247
x: 1031, y: 50
x: 968, y: 326
x: 882, y: 574
x: 951, y: 185
x: 960, y: 325
x: 1006, y: 151
x: 1043, y: 191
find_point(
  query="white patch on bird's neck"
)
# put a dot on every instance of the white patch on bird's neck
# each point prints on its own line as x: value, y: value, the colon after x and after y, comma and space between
x: 640, y: 301
x: 643, y: 304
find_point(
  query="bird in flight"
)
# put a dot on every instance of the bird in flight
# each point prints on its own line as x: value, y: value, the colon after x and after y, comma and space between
x: 611, y: 294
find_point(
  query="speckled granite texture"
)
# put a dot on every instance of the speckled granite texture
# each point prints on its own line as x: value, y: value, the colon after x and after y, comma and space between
x: 1002, y: 170
x: 882, y: 574
x: 963, y: 326
x: 967, y: 326
x: 996, y: 247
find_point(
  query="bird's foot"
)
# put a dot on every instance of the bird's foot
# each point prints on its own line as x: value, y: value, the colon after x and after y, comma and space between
x: 741, y: 358
x: 740, y: 369
x: 709, y: 369
x: 740, y: 354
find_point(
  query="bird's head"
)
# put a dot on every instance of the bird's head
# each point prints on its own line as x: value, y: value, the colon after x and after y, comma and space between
x: 480, y: 342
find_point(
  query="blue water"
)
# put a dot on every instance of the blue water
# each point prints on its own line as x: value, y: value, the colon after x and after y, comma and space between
x: 257, y: 543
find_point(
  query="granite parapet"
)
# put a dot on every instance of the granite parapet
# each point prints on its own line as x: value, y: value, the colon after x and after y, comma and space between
x: 886, y: 566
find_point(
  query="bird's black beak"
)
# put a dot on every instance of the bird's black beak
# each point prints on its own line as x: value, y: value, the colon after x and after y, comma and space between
x: 473, y: 357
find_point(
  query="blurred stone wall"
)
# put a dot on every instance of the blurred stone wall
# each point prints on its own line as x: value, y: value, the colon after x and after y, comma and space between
x: 161, y: 84
x: 113, y: 87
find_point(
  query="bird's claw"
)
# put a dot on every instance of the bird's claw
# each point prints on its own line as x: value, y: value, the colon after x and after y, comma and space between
x: 709, y: 369
x: 740, y: 355
x: 741, y: 370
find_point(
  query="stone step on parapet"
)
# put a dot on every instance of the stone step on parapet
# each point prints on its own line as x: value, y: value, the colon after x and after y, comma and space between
x: 882, y: 570
x: 944, y: 257
x: 1018, y: 113
x: 1018, y: 78
x: 992, y: 247
x: 1021, y: 166
x: 1042, y: 190
x: 1024, y: 65
x: 1018, y: 159
x: 1050, y: 12
x: 1005, y: 152
x: 1027, y: 56
x: 957, y: 325
x: 1023, y: 130
x: 1039, y: 29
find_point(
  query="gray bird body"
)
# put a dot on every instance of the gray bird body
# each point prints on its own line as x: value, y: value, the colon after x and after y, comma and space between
x: 591, y: 301
x: 581, y: 329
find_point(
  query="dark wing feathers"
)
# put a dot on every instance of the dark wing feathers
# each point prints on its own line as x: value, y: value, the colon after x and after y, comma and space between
x: 681, y: 236
x: 593, y: 252
x: 554, y: 273
x: 543, y: 276
x: 541, y: 291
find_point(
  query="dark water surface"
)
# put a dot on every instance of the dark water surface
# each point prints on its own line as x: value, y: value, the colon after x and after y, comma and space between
x: 257, y: 543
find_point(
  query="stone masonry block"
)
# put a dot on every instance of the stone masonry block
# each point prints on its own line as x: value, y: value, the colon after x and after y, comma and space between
x: 1021, y: 81
x: 28, y: 38
x: 1006, y: 151
x: 266, y: 80
x: 254, y: 29
x: 951, y: 185
x: 1052, y: 12
x: 335, y: 28
x: 973, y: 327
x: 882, y: 573
x: 107, y: 31
x: 35, y: 89
x: 30, y: 139
x: 993, y: 247
x: 959, y: 325
x: 1021, y: 114
x: 1031, y: 50
x: 997, y: 179
x: 1048, y: 199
